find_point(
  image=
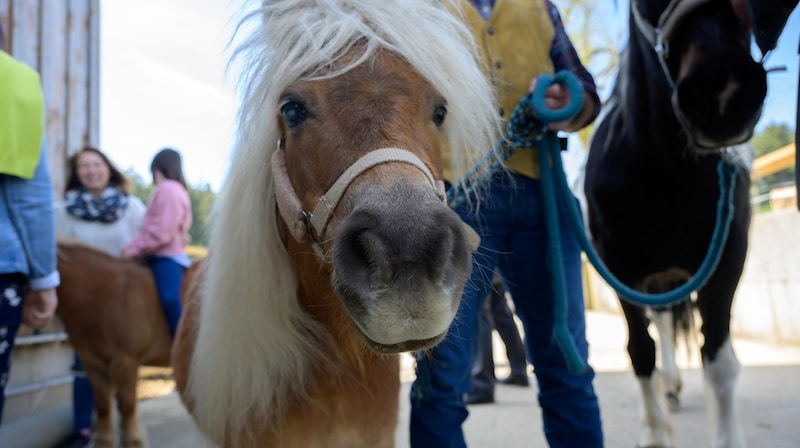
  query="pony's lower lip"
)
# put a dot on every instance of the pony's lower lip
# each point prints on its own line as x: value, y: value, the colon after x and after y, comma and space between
x: 405, y: 346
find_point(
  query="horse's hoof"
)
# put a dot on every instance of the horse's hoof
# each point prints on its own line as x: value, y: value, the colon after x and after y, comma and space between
x: 135, y: 439
x: 95, y: 443
x: 135, y: 444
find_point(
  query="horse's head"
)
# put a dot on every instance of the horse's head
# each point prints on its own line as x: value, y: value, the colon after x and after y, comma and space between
x: 323, y: 239
x: 360, y: 149
x: 340, y: 126
x: 704, y: 50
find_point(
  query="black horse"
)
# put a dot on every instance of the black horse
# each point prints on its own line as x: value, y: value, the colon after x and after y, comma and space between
x: 687, y: 90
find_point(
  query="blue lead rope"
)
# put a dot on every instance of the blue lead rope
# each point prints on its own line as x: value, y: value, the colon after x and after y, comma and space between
x: 520, y: 134
x: 727, y: 181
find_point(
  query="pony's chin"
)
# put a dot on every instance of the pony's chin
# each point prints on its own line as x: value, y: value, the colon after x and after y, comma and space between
x: 702, y: 143
x: 405, y: 346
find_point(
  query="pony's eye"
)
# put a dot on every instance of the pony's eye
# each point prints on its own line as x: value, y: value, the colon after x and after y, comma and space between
x: 294, y: 113
x: 439, y: 114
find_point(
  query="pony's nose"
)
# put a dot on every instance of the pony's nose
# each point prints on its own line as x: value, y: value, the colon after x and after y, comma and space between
x: 722, y: 102
x: 412, y: 242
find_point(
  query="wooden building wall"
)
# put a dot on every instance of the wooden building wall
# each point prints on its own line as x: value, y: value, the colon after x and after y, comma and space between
x: 61, y: 40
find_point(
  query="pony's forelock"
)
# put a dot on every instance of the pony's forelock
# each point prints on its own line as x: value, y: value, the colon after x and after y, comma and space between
x: 255, y: 344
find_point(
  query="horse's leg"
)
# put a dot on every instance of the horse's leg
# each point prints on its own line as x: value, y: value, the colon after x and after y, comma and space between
x: 720, y: 365
x: 125, y: 373
x: 664, y: 320
x: 656, y: 429
x: 105, y: 433
x: 183, y: 347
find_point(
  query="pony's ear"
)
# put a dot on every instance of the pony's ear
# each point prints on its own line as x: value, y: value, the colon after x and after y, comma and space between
x: 768, y: 17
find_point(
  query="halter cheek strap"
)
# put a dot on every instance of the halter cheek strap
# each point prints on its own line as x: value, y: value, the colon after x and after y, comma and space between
x: 304, y: 225
x: 660, y: 35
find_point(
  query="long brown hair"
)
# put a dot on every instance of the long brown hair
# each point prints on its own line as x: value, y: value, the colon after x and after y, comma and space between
x: 117, y: 179
x: 168, y: 162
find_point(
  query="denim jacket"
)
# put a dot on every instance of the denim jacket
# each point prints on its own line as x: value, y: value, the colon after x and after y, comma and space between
x: 27, y: 231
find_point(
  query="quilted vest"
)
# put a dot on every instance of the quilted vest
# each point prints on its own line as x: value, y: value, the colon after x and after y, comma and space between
x: 514, y: 44
x: 21, y: 118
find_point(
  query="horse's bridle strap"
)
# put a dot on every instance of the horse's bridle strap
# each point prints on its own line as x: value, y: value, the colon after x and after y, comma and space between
x: 303, y: 224
x: 289, y: 205
x: 668, y: 21
x: 660, y: 35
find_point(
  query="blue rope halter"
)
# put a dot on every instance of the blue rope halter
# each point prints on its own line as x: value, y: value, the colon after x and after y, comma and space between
x: 554, y: 183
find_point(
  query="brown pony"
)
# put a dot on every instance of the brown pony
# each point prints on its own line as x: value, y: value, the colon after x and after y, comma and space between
x: 115, y: 323
x: 332, y: 248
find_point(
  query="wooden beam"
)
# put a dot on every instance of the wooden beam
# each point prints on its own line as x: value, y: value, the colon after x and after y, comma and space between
x: 774, y: 161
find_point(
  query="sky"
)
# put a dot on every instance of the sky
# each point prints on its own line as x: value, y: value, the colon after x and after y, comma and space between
x: 164, y: 83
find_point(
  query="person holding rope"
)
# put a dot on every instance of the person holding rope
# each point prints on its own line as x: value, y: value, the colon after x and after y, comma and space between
x: 28, y: 273
x: 521, y: 40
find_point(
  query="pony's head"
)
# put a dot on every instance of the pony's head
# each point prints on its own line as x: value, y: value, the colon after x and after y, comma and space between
x: 704, y: 50
x: 344, y: 104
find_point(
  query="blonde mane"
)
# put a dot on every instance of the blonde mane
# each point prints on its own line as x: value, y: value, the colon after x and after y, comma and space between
x: 255, y: 344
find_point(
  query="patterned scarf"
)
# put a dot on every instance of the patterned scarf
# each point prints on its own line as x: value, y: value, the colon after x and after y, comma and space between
x: 109, y: 208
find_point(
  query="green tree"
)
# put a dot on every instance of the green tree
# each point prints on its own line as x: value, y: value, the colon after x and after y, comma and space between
x: 141, y: 188
x: 773, y: 136
x: 595, y: 34
x: 201, y: 198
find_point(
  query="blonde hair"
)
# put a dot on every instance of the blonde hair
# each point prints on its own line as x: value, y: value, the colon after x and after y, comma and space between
x: 255, y: 344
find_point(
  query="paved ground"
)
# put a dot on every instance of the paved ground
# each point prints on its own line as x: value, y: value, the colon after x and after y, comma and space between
x: 768, y: 400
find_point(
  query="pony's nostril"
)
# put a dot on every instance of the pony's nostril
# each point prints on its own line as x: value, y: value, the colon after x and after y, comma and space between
x: 372, y: 249
x: 456, y: 250
x: 357, y: 255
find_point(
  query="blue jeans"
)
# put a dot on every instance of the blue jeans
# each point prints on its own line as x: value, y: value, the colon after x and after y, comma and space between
x: 511, y: 223
x: 496, y: 315
x: 169, y: 278
x: 11, y: 296
x: 82, y: 398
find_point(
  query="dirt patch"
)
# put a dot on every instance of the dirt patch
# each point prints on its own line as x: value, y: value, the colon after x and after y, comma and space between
x: 154, y: 382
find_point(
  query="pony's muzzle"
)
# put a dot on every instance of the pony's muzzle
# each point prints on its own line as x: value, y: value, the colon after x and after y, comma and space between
x: 400, y: 264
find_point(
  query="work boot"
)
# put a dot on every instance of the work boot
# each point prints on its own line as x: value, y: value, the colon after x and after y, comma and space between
x: 515, y: 379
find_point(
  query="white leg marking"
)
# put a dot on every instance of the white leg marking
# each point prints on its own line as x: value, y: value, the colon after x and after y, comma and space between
x: 721, y: 375
x: 656, y: 425
x: 669, y: 373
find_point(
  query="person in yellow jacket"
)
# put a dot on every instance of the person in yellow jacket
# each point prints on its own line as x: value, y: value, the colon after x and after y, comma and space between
x: 27, y: 234
x: 520, y: 40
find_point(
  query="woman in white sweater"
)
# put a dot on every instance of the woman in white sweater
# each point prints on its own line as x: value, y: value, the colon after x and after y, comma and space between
x: 98, y: 210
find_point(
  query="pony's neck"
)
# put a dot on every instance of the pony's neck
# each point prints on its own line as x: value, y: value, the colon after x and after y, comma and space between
x: 317, y: 298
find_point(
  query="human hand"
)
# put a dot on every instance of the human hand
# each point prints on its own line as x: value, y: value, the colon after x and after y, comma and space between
x: 39, y: 307
x: 126, y: 252
x: 556, y: 97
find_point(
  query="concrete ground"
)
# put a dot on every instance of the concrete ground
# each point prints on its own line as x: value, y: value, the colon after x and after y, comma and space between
x: 768, y: 398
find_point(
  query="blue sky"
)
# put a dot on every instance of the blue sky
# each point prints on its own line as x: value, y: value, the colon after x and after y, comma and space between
x: 163, y: 83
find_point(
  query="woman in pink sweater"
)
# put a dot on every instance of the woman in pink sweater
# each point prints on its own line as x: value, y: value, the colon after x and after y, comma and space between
x: 164, y: 234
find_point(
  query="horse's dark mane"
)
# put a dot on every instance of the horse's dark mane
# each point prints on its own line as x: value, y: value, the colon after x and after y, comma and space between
x: 642, y: 91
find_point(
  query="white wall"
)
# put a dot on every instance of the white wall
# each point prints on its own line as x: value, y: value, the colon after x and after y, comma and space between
x: 767, y: 302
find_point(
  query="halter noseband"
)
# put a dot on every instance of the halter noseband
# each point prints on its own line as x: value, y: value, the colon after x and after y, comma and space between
x: 305, y: 225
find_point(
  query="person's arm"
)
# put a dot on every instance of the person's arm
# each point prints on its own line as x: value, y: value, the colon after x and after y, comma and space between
x: 33, y: 215
x: 161, y: 221
x: 32, y: 204
x: 564, y: 57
